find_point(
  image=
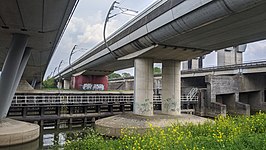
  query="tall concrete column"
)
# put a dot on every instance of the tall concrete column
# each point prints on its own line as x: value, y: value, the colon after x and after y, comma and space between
x: 66, y: 84
x: 10, y: 70
x: 20, y: 71
x: 171, y: 87
x: 59, y: 84
x: 143, y: 87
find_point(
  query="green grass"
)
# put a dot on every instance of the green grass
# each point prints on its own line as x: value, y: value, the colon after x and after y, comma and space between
x: 233, y: 133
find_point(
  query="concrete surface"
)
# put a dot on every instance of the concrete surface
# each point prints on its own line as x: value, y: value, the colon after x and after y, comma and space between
x: 230, y: 56
x: 143, y: 89
x: 14, y: 132
x: 33, y: 145
x: 24, y: 86
x: 112, y: 126
x: 171, y: 87
x: 66, y: 84
x: 59, y: 85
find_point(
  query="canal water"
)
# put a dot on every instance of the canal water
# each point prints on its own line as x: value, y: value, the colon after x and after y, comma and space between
x: 48, y: 139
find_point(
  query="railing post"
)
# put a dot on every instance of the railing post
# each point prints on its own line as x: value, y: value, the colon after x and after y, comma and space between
x: 110, y: 107
x: 57, y: 124
x: 98, y: 108
x: 24, y: 112
x: 34, y: 100
x: 122, y: 107
x: 26, y: 99
x: 70, y: 123
x: 58, y: 110
x: 85, y: 122
x: 70, y: 110
x: 85, y: 109
x: 41, y: 111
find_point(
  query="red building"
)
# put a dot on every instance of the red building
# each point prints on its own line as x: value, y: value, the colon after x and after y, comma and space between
x: 92, y: 82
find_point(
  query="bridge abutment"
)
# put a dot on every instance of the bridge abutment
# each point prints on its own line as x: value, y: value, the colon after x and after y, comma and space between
x: 171, y: 87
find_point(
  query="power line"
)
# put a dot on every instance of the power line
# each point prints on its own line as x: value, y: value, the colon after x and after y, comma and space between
x: 122, y: 11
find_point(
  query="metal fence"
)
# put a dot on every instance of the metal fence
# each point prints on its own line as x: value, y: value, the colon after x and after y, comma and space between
x: 81, y: 99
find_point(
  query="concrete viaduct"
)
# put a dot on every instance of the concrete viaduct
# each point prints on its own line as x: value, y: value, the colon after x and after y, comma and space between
x: 171, y: 31
x: 233, y: 89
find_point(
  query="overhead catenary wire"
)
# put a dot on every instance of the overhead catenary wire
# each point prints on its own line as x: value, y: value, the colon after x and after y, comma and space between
x: 122, y: 11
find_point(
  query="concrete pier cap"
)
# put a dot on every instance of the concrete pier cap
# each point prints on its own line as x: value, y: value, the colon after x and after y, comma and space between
x: 13, y: 132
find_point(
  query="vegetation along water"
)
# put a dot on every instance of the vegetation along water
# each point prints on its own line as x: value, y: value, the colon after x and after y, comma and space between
x: 234, y: 133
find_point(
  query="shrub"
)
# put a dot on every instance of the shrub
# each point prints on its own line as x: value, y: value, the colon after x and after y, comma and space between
x: 225, y: 133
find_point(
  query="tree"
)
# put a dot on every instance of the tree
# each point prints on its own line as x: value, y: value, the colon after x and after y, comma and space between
x: 157, y: 70
x: 114, y: 76
x: 125, y: 75
x: 49, y: 83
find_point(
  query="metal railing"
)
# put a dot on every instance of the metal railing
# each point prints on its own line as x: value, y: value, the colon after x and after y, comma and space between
x: 80, y: 99
x: 227, y: 67
x: 69, y: 99
x: 192, y: 93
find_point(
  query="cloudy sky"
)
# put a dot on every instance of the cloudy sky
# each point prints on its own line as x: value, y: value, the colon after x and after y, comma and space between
x: 86, y: 26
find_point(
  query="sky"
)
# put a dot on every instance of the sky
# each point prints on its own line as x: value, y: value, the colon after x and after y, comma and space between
x: 85, y: 29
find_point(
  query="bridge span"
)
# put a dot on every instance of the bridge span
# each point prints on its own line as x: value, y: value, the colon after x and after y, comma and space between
x: 175, y: 30
x: 169, y: 31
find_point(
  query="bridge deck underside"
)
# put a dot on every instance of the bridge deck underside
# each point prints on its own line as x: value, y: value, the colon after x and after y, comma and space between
x: 229, y: 30
x: 42, y: 21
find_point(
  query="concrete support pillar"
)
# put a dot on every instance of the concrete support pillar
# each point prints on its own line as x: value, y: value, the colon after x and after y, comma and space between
x: 20, y: 71
x: 59, y: 85
x: 171, y: 87
x: 11, y: 72
x: 66, y: 84
x: 127, y: 85
x: 143, y: 88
